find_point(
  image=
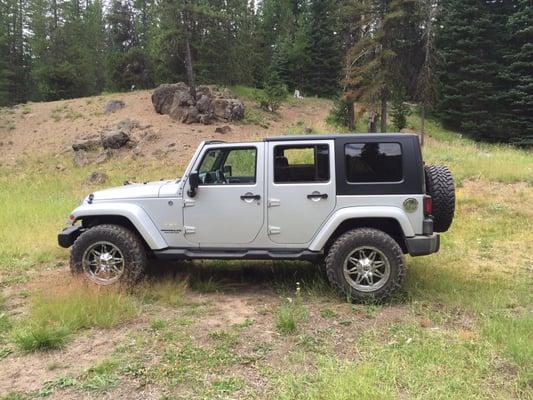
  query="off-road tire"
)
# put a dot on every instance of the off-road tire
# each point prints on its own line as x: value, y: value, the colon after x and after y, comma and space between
x: 439, y: 185
x: 342, y: 248
x: 128, y: 242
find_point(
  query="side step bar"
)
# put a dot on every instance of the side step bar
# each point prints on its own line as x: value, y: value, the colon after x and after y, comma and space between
x: 236, y: 254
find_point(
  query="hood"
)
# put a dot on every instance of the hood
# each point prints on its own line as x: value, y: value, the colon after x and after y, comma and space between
x: 131, y: 191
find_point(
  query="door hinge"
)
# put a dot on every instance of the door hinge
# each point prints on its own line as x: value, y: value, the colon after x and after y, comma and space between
x: 274, y: 202
x: 274, y: 230
x: 189, y: 202
x: 189, y: 229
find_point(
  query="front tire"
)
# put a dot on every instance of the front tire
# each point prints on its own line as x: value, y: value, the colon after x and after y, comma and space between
x: 365, y: 265
x: 109, y: 254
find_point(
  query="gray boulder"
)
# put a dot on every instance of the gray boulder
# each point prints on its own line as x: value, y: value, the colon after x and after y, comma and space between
x: 115, y: 139
x: 228, y: 109
x: 211, y: 103
x: 203, y: 104
x: 114, y: 105
x: 190, y: 115
x: 163, y: 96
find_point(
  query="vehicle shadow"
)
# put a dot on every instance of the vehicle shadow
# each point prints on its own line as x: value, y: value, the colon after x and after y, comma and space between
x: 241, y: 276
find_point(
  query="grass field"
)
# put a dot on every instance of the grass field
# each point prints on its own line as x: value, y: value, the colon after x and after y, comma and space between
x: 461, y: 328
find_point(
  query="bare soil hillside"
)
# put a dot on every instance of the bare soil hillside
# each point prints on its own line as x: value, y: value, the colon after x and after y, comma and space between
x: 50, y: 128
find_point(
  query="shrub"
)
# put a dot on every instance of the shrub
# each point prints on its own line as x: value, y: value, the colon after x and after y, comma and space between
x: 400, y: 112
x: 339, y: 114
x: 272, y: 95
x: 35, y: 337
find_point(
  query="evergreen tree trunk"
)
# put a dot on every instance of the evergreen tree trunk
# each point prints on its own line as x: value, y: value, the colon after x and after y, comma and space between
x: 185, y: 18
x: 422, y: 122
x: 351, y: 115
x: 383, y: 116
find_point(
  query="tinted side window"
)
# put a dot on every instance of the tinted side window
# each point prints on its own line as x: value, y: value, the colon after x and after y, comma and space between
x: 373, y: 162
x: 299, y: 164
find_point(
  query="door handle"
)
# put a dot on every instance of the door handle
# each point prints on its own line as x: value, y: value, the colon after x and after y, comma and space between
x: 317, y: 196
x: 250, y: 196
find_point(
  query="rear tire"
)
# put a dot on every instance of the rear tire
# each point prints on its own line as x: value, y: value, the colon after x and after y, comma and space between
x: 439, y: 185
x: 365, y: 265
x: 109, y: 254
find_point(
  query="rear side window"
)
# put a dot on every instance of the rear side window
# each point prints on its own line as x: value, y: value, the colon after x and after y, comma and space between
x: 373, y: 162
x: 301, y: 163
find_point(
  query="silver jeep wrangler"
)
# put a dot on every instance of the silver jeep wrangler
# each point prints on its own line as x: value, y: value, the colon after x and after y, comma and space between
x: 356, y: 203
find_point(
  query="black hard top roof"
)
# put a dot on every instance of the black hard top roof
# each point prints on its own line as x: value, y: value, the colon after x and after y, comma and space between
x: 357, y: 136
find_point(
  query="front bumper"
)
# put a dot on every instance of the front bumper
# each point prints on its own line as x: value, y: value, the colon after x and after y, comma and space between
x: 67, y: 237
x: 423, y: 245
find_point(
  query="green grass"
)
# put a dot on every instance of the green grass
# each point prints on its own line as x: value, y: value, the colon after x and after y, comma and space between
x: 474, y: 160
x: 255, y: 116
x: 291, y: 314
x: 461, y: 328
x: 245, y: 92
x: 171, y: 292
x: 70, y: 307
x: 36, y: 200
x: 101, y: 377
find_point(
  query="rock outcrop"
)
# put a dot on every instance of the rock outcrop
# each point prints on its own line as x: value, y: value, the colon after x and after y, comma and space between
x: 210, y: 104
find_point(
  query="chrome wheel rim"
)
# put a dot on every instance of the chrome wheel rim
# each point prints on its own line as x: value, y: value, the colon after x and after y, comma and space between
x: 103, y: 263
x: 366, y: 269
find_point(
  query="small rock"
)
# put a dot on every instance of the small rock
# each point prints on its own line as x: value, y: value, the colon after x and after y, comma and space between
x: 86, y: 144
x: 223, y: 129
x: 171, y: 144
x: 80, y: 158
x: 96, y: 178
x: 114, y: 139
x: 104, y: 156
x: 127, y: 125
x: 114, y: 105
x: 60, y: 167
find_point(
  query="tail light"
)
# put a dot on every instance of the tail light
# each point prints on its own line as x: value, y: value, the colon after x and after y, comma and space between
x: 428, y: 206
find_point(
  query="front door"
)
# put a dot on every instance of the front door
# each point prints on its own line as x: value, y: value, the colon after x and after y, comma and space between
x: 228, y: 206
x: 301, y: 189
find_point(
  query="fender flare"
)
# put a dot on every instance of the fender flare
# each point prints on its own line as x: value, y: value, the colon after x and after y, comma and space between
x: 347, y: 213
x: 133, y: 213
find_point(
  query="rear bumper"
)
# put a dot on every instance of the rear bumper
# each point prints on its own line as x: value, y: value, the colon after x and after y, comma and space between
x: 423, y: 245
x: 67, y: 237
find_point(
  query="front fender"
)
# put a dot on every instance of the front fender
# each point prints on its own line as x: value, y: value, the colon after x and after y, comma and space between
x: 347, y: 213
x: 135, y: 214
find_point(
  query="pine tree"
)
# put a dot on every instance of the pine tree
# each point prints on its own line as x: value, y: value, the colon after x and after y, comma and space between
x: 473, y: 43
x: 376, y: 63
x: 520, y: 73
x: 323, y: 70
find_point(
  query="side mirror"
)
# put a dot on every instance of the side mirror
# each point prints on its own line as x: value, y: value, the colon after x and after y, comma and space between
x: 194, y: 180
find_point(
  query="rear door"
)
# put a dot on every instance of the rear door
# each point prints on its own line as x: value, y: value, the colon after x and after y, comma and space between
x: 301, y: 189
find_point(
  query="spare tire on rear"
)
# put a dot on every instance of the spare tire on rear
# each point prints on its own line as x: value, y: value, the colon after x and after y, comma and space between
x: 439, y: 185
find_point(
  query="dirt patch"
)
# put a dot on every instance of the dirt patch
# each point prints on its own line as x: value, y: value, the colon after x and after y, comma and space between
x: 43, y: 128
x: 28, y: 372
